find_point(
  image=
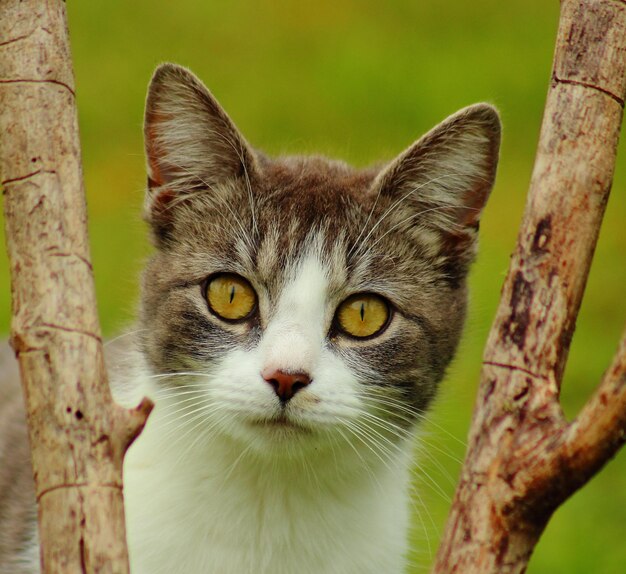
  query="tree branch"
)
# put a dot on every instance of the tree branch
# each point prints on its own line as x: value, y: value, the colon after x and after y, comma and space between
x: 523, y: 458
x: 78, y: 435
x: 600, y: 429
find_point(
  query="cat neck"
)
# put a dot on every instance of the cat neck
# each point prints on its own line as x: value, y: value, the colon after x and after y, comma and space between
x: 209, y: 496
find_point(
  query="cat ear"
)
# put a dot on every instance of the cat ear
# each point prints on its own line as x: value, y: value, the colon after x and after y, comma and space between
x: 190, y: 141
x: 446, y: 176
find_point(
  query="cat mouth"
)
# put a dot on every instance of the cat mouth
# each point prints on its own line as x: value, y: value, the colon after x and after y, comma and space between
x: 281, y: 422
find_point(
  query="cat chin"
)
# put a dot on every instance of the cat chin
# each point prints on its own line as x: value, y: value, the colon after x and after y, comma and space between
x: 282, y: 424
x: 279, y: 437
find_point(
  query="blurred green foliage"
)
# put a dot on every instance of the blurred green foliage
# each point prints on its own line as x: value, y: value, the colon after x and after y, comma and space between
x: 359, y: 80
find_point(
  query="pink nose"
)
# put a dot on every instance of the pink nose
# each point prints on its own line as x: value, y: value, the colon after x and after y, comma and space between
x: 285, y: 385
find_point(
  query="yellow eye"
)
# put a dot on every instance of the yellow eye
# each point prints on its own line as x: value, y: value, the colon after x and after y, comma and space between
x: 230, y: 296
x: 363, y: 315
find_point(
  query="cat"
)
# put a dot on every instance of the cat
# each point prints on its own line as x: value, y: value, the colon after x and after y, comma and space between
x: 296, y: 319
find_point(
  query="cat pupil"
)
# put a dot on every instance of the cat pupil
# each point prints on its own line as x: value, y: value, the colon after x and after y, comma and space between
x: 232, y: 293
x: 362, y: 311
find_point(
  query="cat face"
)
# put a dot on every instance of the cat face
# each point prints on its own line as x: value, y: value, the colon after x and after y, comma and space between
x: 297, y: 301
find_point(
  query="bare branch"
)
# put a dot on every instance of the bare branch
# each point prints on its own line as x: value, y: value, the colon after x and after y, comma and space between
x: 523, y: 458
x: 78, y: 435
x: 600, y: 428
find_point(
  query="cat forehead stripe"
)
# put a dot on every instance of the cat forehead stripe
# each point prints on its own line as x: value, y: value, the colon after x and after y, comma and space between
x: 305, y: 291
x: 295, y: 334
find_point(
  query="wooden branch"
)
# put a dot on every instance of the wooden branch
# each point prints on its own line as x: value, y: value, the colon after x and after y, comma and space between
x: 600, y: 429
x: 523, y: 458
x: 78, y: 435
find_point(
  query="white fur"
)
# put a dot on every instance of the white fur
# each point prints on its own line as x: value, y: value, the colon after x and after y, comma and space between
x: 214, y: 486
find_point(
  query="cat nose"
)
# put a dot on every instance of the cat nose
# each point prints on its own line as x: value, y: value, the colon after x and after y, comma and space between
x: 285, y: 385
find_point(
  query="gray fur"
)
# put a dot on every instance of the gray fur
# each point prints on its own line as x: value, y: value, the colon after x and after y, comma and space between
x: 17, y: 491
x: 406, y: 231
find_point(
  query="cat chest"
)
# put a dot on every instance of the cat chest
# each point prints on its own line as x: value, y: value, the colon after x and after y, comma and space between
x: 206, y: 526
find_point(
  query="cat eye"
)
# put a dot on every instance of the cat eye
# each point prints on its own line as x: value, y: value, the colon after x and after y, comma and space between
x: 363, y: 315
x: 230, y: 296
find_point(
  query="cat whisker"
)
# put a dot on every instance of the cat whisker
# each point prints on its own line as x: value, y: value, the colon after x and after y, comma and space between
x: 360, y: 457
x: 180, y: 390
x: 173, y: 427
x: 355, y: 245
x: 402, y: 434
x: 239, y: 151
x: 127, y: 334
x: 435, y: 461
x: 427, y: 419
x: 391, y: 428
x: 414, y: 413
x: 417, y: 497
x: 240, y: 154
x: 206, y: 432
x: 415, y: 215
x: 423, y: 439
x: 181, y: 387
x: 400, y: 411
x: 397, y: 203
x: 197, y: 421
x: 368, y: 442
x: 333, y: 442
x: 232, y: 467
x: 177, y: 374
x: 442, y: 451
x: 182, y: 196
x: 432, y: 483
x: 168, y: 394
x: 171, y: 417
x: 195, y: 397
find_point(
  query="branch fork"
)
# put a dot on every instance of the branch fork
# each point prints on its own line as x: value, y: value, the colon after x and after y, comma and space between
x: 524, y: 459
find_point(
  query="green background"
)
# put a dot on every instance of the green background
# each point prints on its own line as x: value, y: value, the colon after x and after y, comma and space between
x: 359, y: 80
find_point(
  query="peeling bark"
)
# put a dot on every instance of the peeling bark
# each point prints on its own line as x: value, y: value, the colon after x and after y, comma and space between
x: 78, y: 435
x: 524, y: 459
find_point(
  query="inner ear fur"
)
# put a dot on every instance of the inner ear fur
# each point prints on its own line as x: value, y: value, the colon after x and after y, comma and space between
x: 191, y: 144
x: 448, y: 173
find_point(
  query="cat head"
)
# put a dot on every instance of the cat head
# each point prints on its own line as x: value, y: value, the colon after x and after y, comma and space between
x: 297, y: 299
